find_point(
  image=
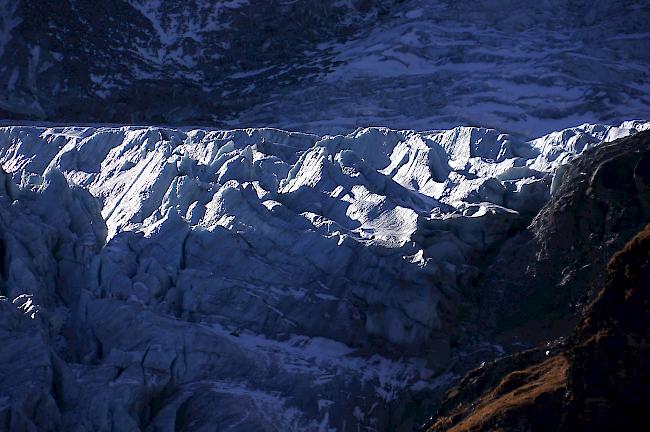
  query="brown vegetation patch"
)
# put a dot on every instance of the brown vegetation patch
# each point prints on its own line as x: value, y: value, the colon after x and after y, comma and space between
x: 521, y: 392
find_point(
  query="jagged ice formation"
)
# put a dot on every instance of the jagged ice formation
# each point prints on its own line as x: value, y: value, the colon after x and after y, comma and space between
x: 254, y: 279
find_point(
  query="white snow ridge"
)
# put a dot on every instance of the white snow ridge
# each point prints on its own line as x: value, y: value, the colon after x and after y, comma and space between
x: 252, y: 279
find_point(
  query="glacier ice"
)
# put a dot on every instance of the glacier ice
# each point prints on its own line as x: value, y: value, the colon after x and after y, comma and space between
x: 256, y: 279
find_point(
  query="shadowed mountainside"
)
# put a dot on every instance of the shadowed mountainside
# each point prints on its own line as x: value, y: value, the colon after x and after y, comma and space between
x: 541, y: 278
x: 326, y: 66
x: 599, y: 380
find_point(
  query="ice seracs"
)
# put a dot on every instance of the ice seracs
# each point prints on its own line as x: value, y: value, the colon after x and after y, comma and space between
x: 250, y: 278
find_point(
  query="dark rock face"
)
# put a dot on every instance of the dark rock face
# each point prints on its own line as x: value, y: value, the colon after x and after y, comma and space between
x: 609, y: 372
x: 541, y: 278
x: 168, y: 61
x: 598, y: 381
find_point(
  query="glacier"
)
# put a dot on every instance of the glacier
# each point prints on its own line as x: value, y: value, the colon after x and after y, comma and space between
x: 254, y: 279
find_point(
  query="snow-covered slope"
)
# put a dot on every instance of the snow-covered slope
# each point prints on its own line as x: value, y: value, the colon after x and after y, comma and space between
x: 253, y: 279
x: 527, y: 67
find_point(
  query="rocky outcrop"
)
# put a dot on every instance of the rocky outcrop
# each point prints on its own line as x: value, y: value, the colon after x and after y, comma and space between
x: 542, y: 278
x: 598, y: 381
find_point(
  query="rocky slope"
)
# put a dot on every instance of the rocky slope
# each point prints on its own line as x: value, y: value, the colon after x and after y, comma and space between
x: 598, y: 381
x: 253, y: 279
x: 599, y: 202
x: 321, y: 66
x: 144, y: 60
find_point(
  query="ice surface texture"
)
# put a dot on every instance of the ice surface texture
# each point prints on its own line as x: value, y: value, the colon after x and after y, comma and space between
x: 252, y: 279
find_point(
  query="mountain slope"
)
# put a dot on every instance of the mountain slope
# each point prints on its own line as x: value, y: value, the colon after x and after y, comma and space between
x: 600, y: 381
x: 599, y: 201
x: 523, y: 67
